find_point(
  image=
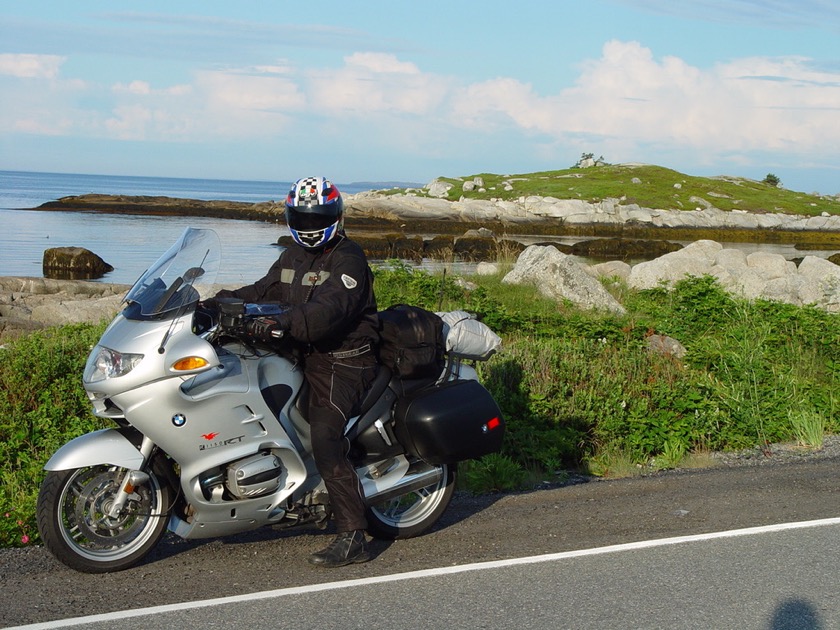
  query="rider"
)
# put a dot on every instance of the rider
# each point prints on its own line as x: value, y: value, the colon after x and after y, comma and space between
x: 326, y: 281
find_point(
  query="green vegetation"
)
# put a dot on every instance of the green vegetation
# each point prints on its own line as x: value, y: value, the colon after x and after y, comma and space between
x: 582, y: 390
x: 579, y: 390
x: 42, y: 406
x: 771, y: 180
x: 648, y: 186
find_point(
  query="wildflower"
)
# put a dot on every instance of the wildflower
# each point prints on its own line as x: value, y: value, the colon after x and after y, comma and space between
x: 24, y: 539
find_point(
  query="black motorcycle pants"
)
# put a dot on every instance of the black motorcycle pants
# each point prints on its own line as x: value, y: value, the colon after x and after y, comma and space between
x: 337, y: 386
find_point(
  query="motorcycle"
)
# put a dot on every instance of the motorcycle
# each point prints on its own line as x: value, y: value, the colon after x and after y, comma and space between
x: 211, y: 438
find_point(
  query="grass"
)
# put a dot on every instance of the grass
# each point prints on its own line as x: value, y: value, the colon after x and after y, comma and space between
x: 655, y: 189
x: 809, y: 427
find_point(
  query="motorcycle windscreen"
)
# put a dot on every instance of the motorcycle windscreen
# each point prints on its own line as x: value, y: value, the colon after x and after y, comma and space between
x: 174, y: 282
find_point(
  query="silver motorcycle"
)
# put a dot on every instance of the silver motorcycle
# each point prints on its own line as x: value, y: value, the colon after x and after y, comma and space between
x: 211, y: 438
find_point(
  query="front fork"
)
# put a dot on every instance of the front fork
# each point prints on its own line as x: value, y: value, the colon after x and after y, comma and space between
x: 132, y: 479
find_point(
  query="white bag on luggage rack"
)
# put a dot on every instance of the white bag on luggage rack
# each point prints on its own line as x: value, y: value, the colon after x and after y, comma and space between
x: 467, y: 338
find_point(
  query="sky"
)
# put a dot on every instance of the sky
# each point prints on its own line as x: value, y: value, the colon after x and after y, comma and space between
x: 380, y: 91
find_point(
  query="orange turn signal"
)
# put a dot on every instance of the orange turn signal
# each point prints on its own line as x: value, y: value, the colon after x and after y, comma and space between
x: 189, y: 363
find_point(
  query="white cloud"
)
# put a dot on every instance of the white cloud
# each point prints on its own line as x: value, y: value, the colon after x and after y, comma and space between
x: 744, y: 105
x: 275, y: 69
x: 376, y: 83
x: 129, y: 123
x: 30, y: 66
x: 144, y: 88
x: 380, y: 63
x: 135, y: 87
x: 244, y: 94
x: 221, y: 104
x: 622, y: 102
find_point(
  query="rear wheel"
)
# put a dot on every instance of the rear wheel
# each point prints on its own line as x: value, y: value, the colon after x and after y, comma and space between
x: 415, y: 512
x: 73, y: 518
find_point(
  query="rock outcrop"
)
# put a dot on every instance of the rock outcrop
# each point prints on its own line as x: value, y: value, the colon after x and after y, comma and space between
x: 373, y: 209
x: 73, y: 263
x: 534, y: 210
x: 28, y: 304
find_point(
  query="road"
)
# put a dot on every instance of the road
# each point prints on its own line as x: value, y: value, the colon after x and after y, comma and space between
x: 761, y: 580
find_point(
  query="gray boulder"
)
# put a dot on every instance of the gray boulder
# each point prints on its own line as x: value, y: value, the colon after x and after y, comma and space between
x: 695, y: 259
x: 486, y: 269
x: 759, y: 275
x: 560, y: 277
x: 438, y: 188
x: 665, y: 345
x: 824, y: 276
x: 611, y: 269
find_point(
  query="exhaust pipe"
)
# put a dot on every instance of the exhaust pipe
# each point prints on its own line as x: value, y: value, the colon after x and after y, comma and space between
x: 409, y: 483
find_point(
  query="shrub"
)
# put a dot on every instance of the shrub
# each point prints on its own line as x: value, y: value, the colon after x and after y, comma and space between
x: 771, y: 180
x: 42, y: 406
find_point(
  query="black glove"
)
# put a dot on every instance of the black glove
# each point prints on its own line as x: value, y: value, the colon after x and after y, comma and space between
x: 265, y: 329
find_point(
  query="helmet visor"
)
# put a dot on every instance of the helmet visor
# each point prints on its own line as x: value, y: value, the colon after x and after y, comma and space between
x: 300, y: 220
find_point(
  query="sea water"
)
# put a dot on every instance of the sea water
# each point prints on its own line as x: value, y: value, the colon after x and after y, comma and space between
x: 130, y: 243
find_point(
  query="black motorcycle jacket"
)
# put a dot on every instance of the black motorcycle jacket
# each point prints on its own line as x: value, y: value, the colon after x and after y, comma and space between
x: 330, y: 292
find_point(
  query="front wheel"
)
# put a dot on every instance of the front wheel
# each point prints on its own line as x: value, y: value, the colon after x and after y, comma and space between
x: 73, y: 518
x: 413, y: 513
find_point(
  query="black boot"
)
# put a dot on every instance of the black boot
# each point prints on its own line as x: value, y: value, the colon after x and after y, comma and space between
x: 346, y: 548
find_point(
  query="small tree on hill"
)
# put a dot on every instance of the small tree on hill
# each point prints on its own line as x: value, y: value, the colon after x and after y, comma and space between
x: 771, y: 180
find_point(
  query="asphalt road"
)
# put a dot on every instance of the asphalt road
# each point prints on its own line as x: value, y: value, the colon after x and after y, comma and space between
x: 774, y: 580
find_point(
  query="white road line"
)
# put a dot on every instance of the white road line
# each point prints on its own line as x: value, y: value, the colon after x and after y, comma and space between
x: 478, y: 566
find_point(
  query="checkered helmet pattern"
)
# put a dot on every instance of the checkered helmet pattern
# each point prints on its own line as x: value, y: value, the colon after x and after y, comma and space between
x: 312, y: 190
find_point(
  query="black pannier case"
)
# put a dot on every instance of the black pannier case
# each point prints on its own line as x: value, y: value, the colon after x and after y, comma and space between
x: 449, y: 423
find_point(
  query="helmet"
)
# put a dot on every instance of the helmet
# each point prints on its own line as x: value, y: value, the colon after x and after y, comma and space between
x: 314, y: 212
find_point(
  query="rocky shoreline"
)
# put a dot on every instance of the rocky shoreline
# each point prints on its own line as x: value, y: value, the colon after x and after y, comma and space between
x: 30, y: 304
x: 412, y: 227
x: 376, y: 212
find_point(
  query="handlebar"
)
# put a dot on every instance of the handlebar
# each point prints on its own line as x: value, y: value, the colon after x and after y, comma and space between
x: 231, y: 315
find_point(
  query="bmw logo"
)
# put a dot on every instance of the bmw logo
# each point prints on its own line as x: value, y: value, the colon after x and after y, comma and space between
x: 179, y: 419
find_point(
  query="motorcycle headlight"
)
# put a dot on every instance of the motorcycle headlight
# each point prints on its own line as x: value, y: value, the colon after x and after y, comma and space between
x: 105, y: 363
